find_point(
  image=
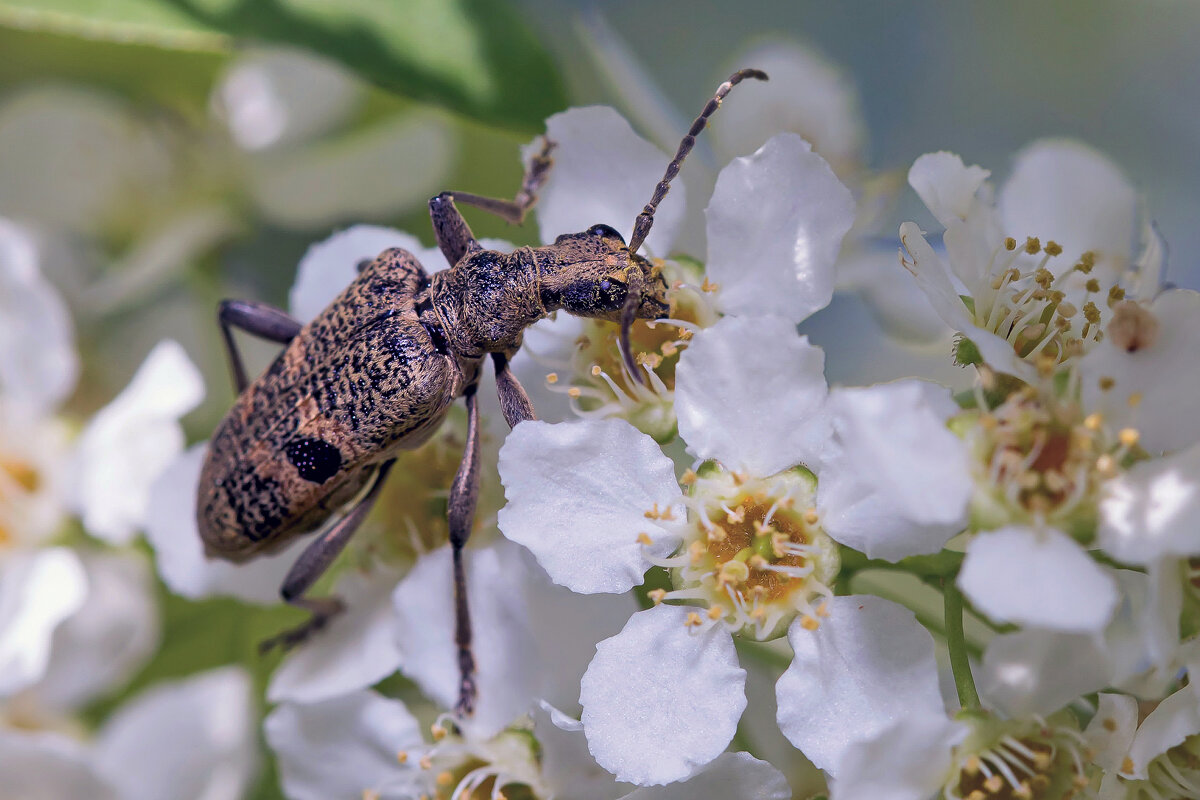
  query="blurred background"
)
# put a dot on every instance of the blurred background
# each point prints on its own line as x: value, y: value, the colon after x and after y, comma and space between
x: 165, y: 154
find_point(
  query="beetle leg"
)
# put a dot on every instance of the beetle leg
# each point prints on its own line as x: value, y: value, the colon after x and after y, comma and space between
x: 514, y: 402
x: 454, y: 235
x: 256, y: 318
x: 463, y: 494
x: 313, y: 562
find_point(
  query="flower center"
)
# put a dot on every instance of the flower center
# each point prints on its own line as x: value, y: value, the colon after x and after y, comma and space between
x: 1039, y: 459
x: 1022, y: 761
x: 459, y: 767
x: 753, y: 551
x: 1045, y: 316
x: 597, y: 381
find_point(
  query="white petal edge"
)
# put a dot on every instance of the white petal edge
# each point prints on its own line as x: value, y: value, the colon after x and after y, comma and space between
x: 750, y: 393
x: 604, y: 173
x: 1038, y: 578
x: 577, y: 495
x: 946, y: 186
x: 909, y: 759
x: 179, y: 553
x: 869, y: 664
x: 38, y: 590
x: 661, y: 700
x: 896, y: 481
x: 357, y: 649
x: 730, y: 776
x: 184, y: 739
x: 775, y: 226
x: 131, y: 440
x: 342, y: 748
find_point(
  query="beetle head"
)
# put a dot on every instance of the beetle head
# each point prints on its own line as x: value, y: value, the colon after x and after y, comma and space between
x: 598, y: 277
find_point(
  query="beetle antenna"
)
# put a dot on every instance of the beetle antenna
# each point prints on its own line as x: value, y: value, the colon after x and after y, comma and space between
x: 641, y: 227
x: 645, y: 220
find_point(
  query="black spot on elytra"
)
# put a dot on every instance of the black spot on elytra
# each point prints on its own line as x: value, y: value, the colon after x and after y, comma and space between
x: 316, y: 460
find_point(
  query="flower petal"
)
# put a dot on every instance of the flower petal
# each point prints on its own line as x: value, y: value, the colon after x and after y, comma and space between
x: 604, y: 173
x: 577, y: 496
x: 661, y: 700
x: 278, y: 96
x: 1153, y: 386
x: 113, y: 634
x: 730, y: 776
x: 179, y: 554
x: 1149, y: 511
x: 532, y: 638
x: 331, y: 264
x: 1064, y: 190
x: 1173, y: 720
x: 357, y: 650
x: 1038, y: 578
x: 183, y: 740
x: 946, y: 186
x: 131, y: 440
x: 1038, y: 672
x: 906, y: 760
x: 568, y: 769
x: 49, y: 766
x: 775, y: 225
x: 1112, y: 729
x: 749, y: 393
x: 895, y: 481
x: 867, y: 666
x: 341, y: 748
x: 38, y: 362
x: 807, y: 94
x: 38, y: 590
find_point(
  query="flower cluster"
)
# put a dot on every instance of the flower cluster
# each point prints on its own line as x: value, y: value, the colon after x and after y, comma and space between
x: 735, y: 574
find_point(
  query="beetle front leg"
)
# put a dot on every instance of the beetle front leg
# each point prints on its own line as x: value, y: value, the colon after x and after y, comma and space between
x: 256, y: 318
x: 454, y: 236
x: 464, y: 493
x: 313, y: 562
x: 514, y: 402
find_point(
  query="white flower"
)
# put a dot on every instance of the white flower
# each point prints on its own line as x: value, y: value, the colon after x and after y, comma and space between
x: 362, y: 745
x: 176, y: 741
x: 131, y: 440
x: 40, y: 588
x: 1025, y: 300
x: 1155, y: 758
x: 749, y: 539
x: 775, y: 223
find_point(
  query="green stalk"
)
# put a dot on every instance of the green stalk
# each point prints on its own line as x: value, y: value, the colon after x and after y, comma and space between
x: 956, y: 640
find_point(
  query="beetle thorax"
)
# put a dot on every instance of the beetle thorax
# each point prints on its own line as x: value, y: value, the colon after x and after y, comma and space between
x: 487, y: 300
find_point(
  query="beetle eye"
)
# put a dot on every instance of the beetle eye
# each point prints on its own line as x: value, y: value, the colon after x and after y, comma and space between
x: 606, y: 231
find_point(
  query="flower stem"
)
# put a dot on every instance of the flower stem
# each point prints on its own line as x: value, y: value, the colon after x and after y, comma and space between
x: 956, y: 640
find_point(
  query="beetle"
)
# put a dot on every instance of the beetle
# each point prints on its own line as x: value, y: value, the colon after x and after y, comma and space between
x: 309, y: 443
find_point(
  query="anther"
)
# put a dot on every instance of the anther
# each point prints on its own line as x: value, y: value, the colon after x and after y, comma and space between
x: 426, y: 762
x: 644, y: 539
x: 552, y: 377
x: 438, y: 732
x: 1135, y: 399
x: 657, y: 595
x: 1053, y: 248
x: 1010, y: 243
x: 1129, y: 436
x: 716, y: 533
x: 402, y: 757
x: 1033, y: 245
x: 811, y: 517
x: 688, y: 477
x: 716, y: 612
x: 693, y: 620
x: 444, y: 778
x: 809, y: 623
x: 1093, y: 421
x: 596, y: 370
x: 574, y: 392
x: 1105, y: 383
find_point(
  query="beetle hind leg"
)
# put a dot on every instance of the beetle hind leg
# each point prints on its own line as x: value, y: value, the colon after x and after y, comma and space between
x: 313, y: 562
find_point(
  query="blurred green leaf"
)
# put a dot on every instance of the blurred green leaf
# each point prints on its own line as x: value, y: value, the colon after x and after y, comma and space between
x: 476, y: 57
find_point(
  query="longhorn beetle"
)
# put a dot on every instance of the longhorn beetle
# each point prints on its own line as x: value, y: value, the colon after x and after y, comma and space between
x: 315, y: 435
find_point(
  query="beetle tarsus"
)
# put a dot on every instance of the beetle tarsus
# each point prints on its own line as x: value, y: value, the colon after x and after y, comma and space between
x: 323, y: 610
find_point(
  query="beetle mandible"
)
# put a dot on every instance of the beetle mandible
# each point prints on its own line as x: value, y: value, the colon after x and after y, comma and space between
x: 312, y: 439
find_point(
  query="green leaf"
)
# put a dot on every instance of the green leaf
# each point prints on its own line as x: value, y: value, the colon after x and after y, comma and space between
x: 476, y: 57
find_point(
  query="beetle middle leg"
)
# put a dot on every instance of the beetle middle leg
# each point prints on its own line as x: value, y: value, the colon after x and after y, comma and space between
x: 464, y: 493
x: 259, y: 319
x: 454, y: 236
x: 313, y: 562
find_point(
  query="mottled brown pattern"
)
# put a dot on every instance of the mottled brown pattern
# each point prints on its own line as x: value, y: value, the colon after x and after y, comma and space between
x: 363, y: 376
